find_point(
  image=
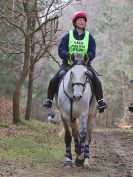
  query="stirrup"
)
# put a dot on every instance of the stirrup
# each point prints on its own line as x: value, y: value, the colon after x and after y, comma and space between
x: 102, y: 107
x: 49, y: 102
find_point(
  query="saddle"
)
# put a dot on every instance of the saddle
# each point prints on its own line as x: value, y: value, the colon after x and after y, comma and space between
x: 61, y: 75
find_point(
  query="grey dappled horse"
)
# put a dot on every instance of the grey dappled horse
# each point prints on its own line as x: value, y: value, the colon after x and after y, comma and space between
x: 77, y: 105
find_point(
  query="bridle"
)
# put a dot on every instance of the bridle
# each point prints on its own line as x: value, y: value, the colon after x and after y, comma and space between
x: 71, y: 98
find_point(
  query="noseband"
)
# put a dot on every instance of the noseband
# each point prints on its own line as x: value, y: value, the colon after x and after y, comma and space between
x: 78, y: 83
x: 82, y: 84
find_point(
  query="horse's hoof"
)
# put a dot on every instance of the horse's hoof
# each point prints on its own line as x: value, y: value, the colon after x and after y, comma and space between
x: 87, y: 166
x: 68, y: 164
x: 86, y: 163
x: 79, y: 162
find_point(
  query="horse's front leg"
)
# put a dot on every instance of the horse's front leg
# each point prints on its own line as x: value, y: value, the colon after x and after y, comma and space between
x: 82, y: 136
x: 68, y: 139
x: 75, y: 134
x: 86, y: 154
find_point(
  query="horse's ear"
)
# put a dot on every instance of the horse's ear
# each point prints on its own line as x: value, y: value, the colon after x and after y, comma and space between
x: 86, y: 58
x: 72, y: 57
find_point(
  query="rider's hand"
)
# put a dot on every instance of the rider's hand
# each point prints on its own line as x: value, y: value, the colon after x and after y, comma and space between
x: 70, y: 56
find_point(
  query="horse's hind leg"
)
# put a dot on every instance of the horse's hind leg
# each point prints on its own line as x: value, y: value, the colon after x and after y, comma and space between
x: 75, y: 133
x: 82, y: 135
x: 68, y: 139
x: 88, y: 141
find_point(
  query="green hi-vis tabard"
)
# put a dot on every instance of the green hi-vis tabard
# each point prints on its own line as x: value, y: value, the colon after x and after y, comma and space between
x: 78, y: 47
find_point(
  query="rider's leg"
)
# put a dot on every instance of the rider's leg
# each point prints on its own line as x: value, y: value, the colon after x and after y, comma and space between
x: 53, y: 85
x: 131, y: 107
x: 97, y: 86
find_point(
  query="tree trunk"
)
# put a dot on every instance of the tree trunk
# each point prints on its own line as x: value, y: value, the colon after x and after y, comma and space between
x: 28, y: 37
x: 124, y: 80
x: 16, y: 113
x: 16, y: 97
x: 32, y: 64
x: 30, y: 90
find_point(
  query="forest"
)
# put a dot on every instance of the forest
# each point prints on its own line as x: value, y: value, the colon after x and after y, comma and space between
x: 31, y: 144
x: 29, y: 36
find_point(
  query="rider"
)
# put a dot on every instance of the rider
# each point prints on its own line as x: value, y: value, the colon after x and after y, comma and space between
x: 78, y: 41
x: 131, y: 104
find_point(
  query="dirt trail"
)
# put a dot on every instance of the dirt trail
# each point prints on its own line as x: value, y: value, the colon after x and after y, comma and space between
x: 114, y: 153
x: 111, y: 155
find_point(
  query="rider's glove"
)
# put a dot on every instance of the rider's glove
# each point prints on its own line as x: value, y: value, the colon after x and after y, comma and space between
x: 68, y: 55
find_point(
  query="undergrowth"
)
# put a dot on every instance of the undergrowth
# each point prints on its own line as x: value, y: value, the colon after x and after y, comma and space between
x: 31, y: 141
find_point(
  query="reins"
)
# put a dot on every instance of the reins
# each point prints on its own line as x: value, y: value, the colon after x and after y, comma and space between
x: 76, y: 62
x: 71, y: 99
x: 71, y: 103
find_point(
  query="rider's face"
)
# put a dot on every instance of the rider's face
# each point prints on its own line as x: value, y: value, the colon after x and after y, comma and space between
x: 80, y: 23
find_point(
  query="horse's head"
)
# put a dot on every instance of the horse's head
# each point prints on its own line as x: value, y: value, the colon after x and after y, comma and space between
x: 79, y: 60
x: 78, y: 76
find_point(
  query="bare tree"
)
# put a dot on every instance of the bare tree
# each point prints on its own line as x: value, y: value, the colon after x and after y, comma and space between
x: 36, y: 25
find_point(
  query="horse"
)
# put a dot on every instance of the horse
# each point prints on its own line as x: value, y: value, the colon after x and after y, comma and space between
x: 77, y: 106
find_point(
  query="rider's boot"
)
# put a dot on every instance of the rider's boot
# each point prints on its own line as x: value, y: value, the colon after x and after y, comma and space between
x: 97, y: 86
x: 99, y: 96
x: 50, y: 95
x: 131, y: 107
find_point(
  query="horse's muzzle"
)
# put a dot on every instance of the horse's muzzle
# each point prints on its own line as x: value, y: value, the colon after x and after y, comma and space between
x: 77, y: 96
